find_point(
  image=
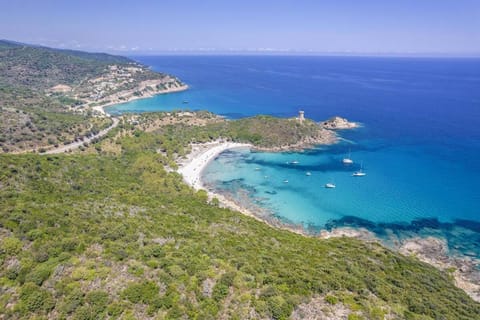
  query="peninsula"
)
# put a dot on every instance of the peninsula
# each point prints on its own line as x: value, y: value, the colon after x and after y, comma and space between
x: 51, y: 97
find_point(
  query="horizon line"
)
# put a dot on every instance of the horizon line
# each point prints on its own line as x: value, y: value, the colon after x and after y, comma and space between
x: 258, y: 52
x: 296, y: 53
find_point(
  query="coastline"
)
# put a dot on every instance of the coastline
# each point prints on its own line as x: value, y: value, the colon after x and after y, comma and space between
x: 197, y: 160
x: 430, y: 250
x: 116, y: 99
x: 200, y: 156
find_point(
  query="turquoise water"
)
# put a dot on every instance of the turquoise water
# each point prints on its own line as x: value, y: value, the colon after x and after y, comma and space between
x: 420, y: 143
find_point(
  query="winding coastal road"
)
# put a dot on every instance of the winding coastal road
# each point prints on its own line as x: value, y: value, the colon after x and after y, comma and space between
x: 77, y: 144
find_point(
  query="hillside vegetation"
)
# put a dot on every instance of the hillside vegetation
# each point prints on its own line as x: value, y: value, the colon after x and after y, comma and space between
x: 42, y: 68
x: 115, y: 235
x: 264, y: 132
x: 45, y: 93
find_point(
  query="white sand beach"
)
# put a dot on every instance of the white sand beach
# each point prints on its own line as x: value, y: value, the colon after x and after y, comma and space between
x: 191, y: 169
x: 201, y: 155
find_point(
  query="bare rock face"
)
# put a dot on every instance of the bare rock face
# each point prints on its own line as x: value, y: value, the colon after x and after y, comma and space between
x: 434, y: 251
x: 207, y: 287
x: 360, y: 233
x: 433, y: 248
x: 61, y: 88
x: 338, y: 123
x: 319, y: 309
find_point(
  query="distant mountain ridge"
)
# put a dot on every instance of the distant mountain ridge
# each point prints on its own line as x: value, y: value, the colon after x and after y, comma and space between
x: 42, y: 88
x: 42, y: 67
x: 99, y: 56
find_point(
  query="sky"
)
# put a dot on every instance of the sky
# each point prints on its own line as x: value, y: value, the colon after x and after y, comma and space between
x: 450, y: 27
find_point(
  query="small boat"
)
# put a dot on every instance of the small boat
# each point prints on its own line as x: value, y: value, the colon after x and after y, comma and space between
x: 294, y: 162
x: 285, y: 181
x: 348, y: 159
x: 257, y: 169
x: 330, y: 185
x: 308, y: 174
x: 360, y: 172
x: 185, y: 101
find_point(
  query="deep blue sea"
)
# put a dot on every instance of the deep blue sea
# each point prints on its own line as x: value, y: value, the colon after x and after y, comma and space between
x: 419, y: 144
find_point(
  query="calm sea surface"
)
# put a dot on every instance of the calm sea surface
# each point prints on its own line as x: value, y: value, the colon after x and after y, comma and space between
x: 419, y: 144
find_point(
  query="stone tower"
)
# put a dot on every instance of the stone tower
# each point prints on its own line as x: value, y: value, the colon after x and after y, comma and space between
x: 301, y: 115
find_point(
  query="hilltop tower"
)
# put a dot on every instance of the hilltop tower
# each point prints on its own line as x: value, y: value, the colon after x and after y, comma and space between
x: 301, y: 116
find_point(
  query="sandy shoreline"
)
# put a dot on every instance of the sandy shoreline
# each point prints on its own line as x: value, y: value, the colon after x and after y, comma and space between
x: 198, y: 159
x: 466, y: 277
x: 191, y: 169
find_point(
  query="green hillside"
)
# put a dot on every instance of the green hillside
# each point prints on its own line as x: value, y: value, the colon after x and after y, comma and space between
x: 41, y: 68
x: 264, y: 132
x: 112, y: 231
x: 98, y: 236
x: 34, y: 116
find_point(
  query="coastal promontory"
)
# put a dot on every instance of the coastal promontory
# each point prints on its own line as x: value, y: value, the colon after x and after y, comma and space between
x: 51, y: 97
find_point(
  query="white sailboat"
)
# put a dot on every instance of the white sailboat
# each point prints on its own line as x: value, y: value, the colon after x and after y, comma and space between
x: 348, y: 159
x: 331, y: 184
x: 360, y: 172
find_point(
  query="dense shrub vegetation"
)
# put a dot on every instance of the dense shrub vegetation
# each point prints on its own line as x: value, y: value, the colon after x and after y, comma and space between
x: 107, y: 236
x: 265, y: 132
x: 111, y: 232
x: 41, y: 68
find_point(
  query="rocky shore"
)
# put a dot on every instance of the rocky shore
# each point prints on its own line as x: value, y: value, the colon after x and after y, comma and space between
x: 323, y: 137
x: 434, y: 251
x: 339, y: 123
x: 431, y: 250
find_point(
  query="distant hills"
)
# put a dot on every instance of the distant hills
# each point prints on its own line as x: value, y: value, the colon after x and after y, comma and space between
x: 97, y: 56
x: 34, y: 115
x: 41, y: 67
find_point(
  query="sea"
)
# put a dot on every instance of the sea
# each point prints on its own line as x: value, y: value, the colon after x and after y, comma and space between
x: 419, y: 140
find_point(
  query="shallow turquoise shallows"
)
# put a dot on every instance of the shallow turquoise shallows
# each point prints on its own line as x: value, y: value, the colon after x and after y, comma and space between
x: 419, y: 144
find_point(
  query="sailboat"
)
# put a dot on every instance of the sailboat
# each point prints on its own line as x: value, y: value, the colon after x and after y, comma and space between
x: 331, y: 184
x: 348, y: 159
x: 360, y: 172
